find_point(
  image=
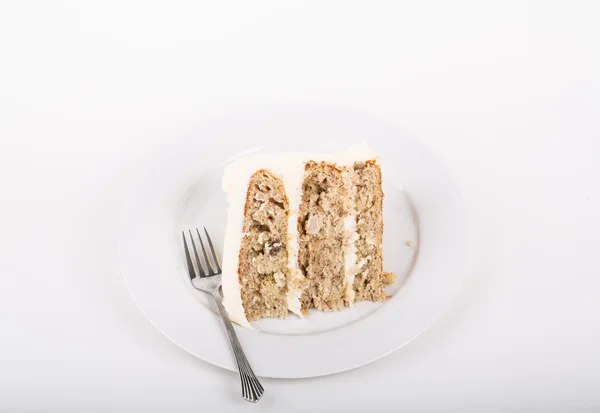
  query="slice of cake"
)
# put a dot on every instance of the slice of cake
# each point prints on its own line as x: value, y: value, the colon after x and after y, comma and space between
x: 304, y: 231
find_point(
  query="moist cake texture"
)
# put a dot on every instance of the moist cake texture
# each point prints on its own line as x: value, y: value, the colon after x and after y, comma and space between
x: 304, y: 231
x: 263, y: 255
x: 321, y: 229
x: 369, y: 282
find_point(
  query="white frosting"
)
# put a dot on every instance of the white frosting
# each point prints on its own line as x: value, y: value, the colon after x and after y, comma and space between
x: 289, y: 167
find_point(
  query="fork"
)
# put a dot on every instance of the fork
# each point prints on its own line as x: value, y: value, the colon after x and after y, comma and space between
x: 209, y: 282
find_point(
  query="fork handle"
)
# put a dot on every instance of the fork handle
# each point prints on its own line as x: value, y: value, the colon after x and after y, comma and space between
x: 252, y: 390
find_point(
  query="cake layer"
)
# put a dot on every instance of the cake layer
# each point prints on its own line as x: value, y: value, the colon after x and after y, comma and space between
x: 369, y: 281
x: 263, y: 272
x: 321, y: 228
x: 289, y: 168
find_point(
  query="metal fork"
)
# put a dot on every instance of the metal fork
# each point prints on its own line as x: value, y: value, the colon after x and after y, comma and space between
x: 209, y: 282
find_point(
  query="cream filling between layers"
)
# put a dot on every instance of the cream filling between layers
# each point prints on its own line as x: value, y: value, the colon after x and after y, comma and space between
x: 289, y: 167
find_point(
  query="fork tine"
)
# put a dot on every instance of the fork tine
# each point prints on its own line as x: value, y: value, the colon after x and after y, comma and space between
x: 200, y: 269
x: 210, y: 270
x: 212, y: 249
x: 190, y: 266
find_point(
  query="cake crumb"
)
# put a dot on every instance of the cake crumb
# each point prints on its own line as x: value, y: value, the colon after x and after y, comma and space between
x: 410, y: 243
x: 389, y: 277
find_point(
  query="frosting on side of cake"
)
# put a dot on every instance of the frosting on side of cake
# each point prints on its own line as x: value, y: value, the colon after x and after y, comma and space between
x: 289, y: 167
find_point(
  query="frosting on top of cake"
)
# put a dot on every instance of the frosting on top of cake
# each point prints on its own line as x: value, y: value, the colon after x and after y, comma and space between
x: 289, y: 167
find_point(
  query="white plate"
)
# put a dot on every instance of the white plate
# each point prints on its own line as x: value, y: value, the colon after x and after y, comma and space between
x: 182, y: 190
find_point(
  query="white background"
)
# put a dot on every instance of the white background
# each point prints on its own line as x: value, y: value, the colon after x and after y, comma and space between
x: 506, y: 94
